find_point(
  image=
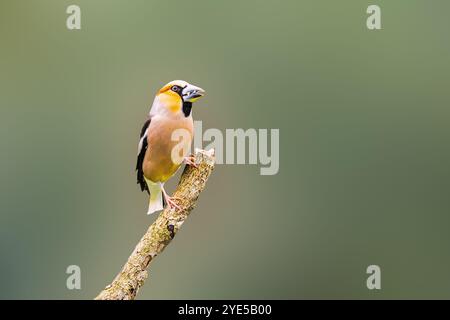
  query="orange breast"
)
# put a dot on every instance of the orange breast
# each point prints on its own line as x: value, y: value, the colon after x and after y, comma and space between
x: 159, y: 164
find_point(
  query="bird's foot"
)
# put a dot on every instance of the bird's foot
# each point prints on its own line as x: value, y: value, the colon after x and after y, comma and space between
x: 190, y: 161
x: 172, y: 204
x: 170, y: 201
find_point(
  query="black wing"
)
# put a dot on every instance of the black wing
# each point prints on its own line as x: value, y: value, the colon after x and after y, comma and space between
x: 141, y: 155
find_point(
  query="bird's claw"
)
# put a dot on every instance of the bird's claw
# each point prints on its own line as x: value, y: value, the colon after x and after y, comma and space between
x: 172, y: 204
x: 170, y: 200
x: 190, y: 160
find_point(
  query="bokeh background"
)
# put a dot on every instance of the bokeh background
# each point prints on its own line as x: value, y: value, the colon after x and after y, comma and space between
x: 364, y: 146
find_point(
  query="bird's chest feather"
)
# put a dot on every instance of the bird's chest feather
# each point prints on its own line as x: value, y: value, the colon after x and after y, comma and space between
x: 167, y: 138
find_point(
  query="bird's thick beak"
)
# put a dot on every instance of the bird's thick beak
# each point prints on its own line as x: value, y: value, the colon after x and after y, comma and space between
x: 192, y: 93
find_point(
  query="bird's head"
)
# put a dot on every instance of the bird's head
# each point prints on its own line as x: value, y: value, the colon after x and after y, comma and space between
x: 177, y: 96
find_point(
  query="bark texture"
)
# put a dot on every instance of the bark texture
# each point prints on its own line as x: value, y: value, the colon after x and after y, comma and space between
x: 193, y: 180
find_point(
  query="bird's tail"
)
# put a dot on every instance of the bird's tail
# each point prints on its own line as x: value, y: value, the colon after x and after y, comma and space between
x: 156, y: 202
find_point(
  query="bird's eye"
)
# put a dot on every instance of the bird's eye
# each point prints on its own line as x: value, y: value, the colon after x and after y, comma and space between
x: 175, y: 88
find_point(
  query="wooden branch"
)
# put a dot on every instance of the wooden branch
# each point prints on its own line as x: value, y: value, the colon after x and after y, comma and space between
x: 193, y: 180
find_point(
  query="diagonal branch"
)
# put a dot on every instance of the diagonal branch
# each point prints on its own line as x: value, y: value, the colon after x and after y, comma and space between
x: 193, y: 180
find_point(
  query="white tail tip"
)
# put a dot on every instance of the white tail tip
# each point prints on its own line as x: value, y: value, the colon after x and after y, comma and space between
x: 156, y: 203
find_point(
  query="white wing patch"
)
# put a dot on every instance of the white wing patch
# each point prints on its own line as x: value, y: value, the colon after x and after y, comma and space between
x: 141, y: 142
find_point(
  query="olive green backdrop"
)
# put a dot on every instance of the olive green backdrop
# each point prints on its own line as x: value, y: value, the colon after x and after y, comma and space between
x: 364, y: 146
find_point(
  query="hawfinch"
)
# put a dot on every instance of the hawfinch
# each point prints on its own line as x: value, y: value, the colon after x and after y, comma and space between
x: 165, y: 141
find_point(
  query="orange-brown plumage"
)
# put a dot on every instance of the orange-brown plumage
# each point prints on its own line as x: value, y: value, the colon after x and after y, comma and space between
x: 166, y: 139
x: 158, y: 163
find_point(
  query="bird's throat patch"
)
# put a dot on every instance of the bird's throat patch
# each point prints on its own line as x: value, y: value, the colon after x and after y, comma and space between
x: 187, y: 108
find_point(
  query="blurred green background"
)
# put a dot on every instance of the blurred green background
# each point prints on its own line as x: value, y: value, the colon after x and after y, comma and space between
x: 364, y: 146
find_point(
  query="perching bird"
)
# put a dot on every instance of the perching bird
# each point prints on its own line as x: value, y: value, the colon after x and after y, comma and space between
x: 165, y: 140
